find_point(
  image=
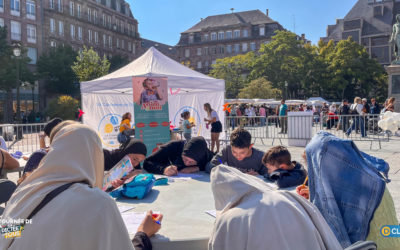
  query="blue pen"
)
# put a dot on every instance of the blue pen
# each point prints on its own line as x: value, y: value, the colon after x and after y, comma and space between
x: 154, y: 216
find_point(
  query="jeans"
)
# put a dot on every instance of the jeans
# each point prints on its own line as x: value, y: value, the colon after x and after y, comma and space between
x: 187, y: 136
x: 283, y: 121
x: 233, y: 121
x: 358, y: 123
x: 263, y: 119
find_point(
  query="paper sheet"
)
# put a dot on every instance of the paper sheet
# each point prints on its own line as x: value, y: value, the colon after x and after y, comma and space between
x: 132, y: 221
x: 123, y: 208
x: 213, y: 213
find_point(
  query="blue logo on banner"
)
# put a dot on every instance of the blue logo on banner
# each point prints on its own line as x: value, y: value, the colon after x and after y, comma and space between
x: 390, y: 231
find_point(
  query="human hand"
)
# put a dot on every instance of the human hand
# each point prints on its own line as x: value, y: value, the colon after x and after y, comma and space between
x: 132, y: 173
x: 171, y: 170
x: 149, y: 226
x: 252, y: 172
x: 117, y: 183
x: 303, y: 191
x: 189, y: 170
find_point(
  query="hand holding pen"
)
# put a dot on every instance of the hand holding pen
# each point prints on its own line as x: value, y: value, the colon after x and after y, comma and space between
x: 151, y: 225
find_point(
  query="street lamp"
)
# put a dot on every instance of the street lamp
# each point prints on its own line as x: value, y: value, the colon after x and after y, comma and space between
x: 286, y: 86
x: 17, y: 54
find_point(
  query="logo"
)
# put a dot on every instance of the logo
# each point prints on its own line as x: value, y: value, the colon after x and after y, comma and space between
x: 11, y: 229
x: 390, y: 231
x: 108, y: 130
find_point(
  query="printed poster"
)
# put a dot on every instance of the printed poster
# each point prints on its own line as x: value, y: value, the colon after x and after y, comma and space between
x: 150, y: 99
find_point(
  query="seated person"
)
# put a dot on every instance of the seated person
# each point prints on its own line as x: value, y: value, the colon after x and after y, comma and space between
x: 281, y: 169
x: 240, y: 154
x: 176, y: 156
x: 251, y: 215
x: 7, y: 161
x: 47, y: 131
x: 3, y: 144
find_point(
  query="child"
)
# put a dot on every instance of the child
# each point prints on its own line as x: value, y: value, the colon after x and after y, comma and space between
x: 281, y: 169
x: 150, y: 92
x: 187, y: 126
x: 125, y: 130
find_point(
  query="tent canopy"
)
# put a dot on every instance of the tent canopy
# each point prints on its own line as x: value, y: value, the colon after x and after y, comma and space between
x: 153, y: 63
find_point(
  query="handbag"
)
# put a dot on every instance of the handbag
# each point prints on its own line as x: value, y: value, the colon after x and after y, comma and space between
x: 138, y: 188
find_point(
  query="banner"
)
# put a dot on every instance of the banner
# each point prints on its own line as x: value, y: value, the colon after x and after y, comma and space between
x: 150, y: 98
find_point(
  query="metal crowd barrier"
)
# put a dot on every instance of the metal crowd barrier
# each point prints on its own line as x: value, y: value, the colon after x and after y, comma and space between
x: 22, y: 137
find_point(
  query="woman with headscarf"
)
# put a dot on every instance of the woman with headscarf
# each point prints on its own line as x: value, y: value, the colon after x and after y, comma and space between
x: 176, y: 156
x: 74, y: 219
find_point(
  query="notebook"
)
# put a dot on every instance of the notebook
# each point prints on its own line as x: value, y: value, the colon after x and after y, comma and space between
x: 121, y: 169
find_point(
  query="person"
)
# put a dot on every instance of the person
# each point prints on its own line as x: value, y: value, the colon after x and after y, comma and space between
x: 83, y: 203
x: 344, y: 112
x: 47, y: 130
x: 7, y: 162
x: 240, y: 154
x: 125, y: 130
x: 150, y: 92
x: 390, y: 104
x: 281, y: 169
x: 187, y: 126
x: 283, y: 117
x: 332, y: 108
x: 356, y: 109
x: 375, y: 109
x: 252, y: 215
x: 366, y: 107
x: 3, y: 144
x: 216, y: 126
x: 179, y: 157
x: 355, y: 201
x: 232, y: 116
x: 263, y: 115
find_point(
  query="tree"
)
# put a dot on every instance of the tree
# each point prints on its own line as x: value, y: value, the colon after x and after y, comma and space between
x: 234, y: 71
x: 89, y: 66
x: 54, y: 67
x: 63, y: 107
x: 260, y: 88
x: 117, y: 62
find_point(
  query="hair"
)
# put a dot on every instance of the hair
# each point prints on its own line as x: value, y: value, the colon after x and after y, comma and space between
x: 240, y: 138
x: 60, y: 126
x: 345, y: 100
x: 125, y: 116
x: 208, y: 108
x: 277, y: 155
x: 51, y: 125
x: 144, y: 83
x: 185, y: 114
x: 283, y: 100
x: 357, y: 99
x: 391, y: 100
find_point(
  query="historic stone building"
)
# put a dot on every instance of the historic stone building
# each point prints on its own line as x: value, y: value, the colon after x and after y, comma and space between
x: 369, y: 23
x: 224, y: 36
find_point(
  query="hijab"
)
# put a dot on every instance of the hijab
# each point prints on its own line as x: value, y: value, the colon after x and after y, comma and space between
x: 76, y: 220
x: 134, y: 146
x: 197, y: 149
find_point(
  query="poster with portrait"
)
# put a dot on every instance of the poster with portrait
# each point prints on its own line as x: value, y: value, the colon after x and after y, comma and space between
x: 150, y: 99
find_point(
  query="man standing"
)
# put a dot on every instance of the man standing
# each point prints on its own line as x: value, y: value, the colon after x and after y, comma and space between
x: 366, y: 106
x: 283, y: 116
x: 344, y: 111
x: 374, y: 109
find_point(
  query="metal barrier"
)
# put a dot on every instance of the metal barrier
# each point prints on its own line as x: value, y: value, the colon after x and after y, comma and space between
x: 22, y: 137
x: 304, y: 127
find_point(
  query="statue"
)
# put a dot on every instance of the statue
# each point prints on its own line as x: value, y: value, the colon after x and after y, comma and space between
x: 395, y: 40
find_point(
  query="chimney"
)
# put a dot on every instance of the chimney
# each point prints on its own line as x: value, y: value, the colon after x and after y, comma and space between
x: 303, y: 36
x: 201, y: 19
x: 267, y: 12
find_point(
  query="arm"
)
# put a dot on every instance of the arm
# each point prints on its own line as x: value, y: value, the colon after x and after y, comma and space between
x: 9, y: 161
x: 158, y: 95
x: 216, y: 160
x: 142, y: 242
x: 284, y: 178
x: 42, y: 138
x: 157, y: 162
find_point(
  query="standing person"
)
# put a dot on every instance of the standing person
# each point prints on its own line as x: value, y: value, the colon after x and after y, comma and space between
x: 233, y: 115
x: 187, y: 126
x: 216, y: 126
x: 356, y: 109
x: 125, y: 130
x: 375, y: 109
x: 344, y: 111
x: 390, y: 104
x: 282, y: 116
x: 263, y: 114
x: 277, y: 122
x: 332, y: 108
x: 366, y: 107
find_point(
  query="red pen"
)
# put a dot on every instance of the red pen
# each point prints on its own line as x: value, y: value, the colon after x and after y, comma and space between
x: 154, y: 216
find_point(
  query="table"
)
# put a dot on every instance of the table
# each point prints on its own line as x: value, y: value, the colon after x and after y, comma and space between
x: 183, y: 203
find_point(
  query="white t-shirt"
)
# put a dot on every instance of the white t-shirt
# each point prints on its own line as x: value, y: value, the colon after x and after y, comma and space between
x: 359, y: 108
x: 214, y: 115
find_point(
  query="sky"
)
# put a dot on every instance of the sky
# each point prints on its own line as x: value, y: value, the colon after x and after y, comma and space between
x: 164, y: 20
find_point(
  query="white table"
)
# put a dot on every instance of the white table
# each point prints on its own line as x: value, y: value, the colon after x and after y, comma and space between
x: 183, y: 203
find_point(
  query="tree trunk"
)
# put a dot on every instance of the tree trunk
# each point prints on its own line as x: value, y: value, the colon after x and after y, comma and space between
x: 8, y: 107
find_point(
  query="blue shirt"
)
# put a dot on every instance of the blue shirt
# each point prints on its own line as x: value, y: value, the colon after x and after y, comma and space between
x: 185, y: 129
x: 282, y: 110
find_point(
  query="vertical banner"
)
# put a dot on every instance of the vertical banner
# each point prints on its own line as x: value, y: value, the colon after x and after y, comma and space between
x: 150, y: 99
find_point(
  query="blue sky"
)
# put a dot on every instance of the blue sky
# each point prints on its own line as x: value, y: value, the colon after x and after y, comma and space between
x: 164, y: 20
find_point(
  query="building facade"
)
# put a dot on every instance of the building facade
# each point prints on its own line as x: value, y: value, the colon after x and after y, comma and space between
x: 224, y: 36
x: 369, y: 23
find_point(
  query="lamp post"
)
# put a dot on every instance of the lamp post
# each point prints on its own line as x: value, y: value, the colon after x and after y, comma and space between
x: 17, y: 54
x: 286, y: 87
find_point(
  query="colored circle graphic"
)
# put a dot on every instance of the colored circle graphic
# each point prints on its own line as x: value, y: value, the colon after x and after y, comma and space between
x: 108, y: 130
x: 194, y: 117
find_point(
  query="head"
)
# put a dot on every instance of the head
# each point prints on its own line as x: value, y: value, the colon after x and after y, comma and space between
x: 51, y: 125
x: 277, y: 158
x: 207, y: 107
x: 283, y: 101
x: 195, y: 152
x: 127, y: 115
x: 345, y: 102
x: 136, y: 150
x: 148, y: 84
x: 391, y: 100
x: 241, y: 144
x: 60, y: 126
x: 185, y: 115
x: 364, y: 100
x: 373, y: 101
x: 357, y: 100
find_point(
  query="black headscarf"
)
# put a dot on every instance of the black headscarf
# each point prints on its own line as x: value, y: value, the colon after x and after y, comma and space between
x: 197, y: 149
x: 50, y: 125
x: 132, y: 147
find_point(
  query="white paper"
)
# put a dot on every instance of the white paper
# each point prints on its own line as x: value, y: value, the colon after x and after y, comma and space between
x: 123, y: 208
x: 132, y: 221
x: 213, y: 213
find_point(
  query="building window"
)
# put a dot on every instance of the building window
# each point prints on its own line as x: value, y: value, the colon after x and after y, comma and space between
x: 206, y: 64
x: 110, y: 42
x: 89, y: 14
x: 90, y: 36
x: 129, y: 46
x: 15, y: 31
x: 229, y: 34
x: 60, y: 6
x: 191, y: 38
x: 30, y: 9
x: 118, y: 6
x: 80, y: 33
x: 1, y: 22
x: 104, y: 40
x: 221, y: 49
x: 213, y: 36
x: 187, y: 52
x: 72, y: 30
x: 52, y: 25
x: 220, y: 35
x: 199, y: 51
x: 205, y: 37
x: 213, y: 62
x: 95, y: 17
x: 229, y: 49
x: 244, y: 47
x: 116, y: 24
x: 31, y: 33
x: 14, y: 6
x: 32, y: 54
x: 206, y: 51
x: 245, y: 33
x: 96, y: 37
x: 199, y: 65
x: 71, y: 8
x: 51, y: 3
x: 108, y: 3
x: 123, y: 44
x: 262, y: 31
x: 214, y: 50
x: 53, y: 44
x: 104, y: 20
x: 79, y: 10
x: 109, y: 22
x: 133, y: 48
x: 252, y: 46
x: 237, y: 48
x: 117, y: 43
x: 236, y: 34
x: 61, y: 28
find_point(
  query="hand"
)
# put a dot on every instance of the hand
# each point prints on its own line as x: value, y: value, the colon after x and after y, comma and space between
x: 303, y: 191
x: 171, y: 170
x: 149, y: 225
x: 189, y: 170
x: 252, y: 172
x: 132, y: 173
x: 42, y: 135
x: 205, y: 119
x: 117, y: 183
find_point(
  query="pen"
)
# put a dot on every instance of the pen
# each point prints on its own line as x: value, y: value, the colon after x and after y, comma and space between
x: 305, y: 181
x: 154, y: 216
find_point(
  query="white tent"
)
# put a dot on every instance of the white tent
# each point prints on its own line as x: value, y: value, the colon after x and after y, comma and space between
x: 105, y: 99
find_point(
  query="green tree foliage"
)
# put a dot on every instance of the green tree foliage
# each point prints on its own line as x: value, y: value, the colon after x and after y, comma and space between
x: 234, y: 71
x: 260, y: 88
x: 55, y: 68
x: 63, y: 107
x: 89, y: 65
x: 118, y: 61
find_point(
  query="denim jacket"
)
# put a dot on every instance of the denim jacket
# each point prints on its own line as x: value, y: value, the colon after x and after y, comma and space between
x: 345, y: 184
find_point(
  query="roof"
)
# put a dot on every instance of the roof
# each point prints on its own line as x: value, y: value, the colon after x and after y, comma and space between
x: 253, y: 17
x: 166, y: 49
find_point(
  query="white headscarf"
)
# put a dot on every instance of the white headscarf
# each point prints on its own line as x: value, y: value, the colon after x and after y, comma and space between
x: 81, y: 217
x: 251, y: 215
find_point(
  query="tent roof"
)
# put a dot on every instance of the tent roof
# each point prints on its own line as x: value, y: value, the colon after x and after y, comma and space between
x: 153, y: 63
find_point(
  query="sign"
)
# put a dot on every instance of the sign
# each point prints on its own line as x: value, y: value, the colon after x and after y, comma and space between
x: 150, y: 97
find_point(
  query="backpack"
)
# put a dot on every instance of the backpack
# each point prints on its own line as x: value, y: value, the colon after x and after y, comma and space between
x: 353, y: 109
x: 138, y: 188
